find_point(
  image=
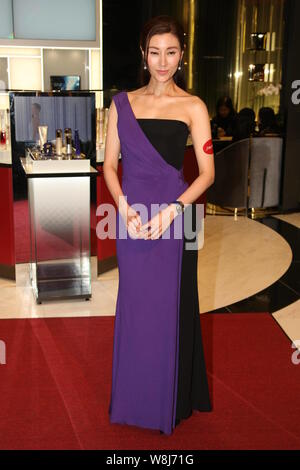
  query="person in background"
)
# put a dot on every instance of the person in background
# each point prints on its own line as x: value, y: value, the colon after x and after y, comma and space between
x: 244, y: 125
x: 35, y: 120
x: 267, y: 122
x: 225, y: 117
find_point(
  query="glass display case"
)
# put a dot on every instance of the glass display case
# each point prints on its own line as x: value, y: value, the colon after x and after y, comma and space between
x: 59, y: 219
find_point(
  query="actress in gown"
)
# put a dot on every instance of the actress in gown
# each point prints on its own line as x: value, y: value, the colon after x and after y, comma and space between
x: 158, y: 366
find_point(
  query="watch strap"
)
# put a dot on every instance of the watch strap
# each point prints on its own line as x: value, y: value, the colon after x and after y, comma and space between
x: 179, y: 203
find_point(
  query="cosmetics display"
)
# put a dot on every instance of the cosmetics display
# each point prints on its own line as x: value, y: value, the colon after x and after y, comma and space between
x: 56, y: 150
x: 50, y: 186
x: 59, y: 203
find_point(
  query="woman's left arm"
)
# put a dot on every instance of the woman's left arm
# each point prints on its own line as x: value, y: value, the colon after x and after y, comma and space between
x: 202, y: 141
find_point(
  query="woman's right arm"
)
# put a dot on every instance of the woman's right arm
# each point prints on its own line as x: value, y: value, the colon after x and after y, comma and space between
x: 110, y: 171
x: 111, y: 160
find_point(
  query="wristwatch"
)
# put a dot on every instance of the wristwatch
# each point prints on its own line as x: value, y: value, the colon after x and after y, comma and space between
x: 179, y: 206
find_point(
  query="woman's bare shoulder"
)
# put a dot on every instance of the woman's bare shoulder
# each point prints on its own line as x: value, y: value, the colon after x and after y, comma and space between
x: 194, y: 99
x: 193, y: 104
x: 197, y: 105
x: 194, y: 107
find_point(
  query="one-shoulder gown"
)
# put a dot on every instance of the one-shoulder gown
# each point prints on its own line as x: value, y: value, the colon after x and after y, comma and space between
x: 158, y: 373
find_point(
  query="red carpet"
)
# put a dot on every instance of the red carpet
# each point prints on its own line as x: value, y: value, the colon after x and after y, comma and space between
x: 55, y: 385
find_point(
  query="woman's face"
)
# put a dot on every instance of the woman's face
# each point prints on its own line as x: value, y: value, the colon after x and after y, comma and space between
x: 224, y: 111
x: 163, y: 56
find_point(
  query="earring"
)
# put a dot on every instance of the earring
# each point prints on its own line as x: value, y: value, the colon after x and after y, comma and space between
x: 145, y: 65
x: 179, y: 66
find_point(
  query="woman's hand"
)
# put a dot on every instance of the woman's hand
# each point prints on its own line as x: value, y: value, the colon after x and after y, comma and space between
x: 132, y: 220
x: 154, y: 228
x: 221, y: 132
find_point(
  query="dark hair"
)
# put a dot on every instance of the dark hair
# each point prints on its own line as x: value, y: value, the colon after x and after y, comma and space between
x: 267, y: 118
x: 37, y: 105
x: 244, y: 124
x: 247, y: 113
x: 159, y: 25
x: 225, y: 101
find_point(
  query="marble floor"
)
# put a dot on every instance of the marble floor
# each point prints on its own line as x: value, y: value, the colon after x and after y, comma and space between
x: 293, y: 219
x: 244, y: 266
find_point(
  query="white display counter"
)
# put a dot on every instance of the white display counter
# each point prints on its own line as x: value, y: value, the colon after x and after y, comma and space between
x: 59, y: 212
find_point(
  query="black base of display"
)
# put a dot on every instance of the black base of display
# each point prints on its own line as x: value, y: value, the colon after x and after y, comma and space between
x: 64, y: 281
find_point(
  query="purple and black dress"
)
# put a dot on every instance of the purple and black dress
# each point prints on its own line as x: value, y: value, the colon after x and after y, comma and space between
x: 158, y: 374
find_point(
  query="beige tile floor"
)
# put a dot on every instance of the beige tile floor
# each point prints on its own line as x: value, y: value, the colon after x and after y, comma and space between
x: 240, y: 256
x: 288, y: 318
x: 17, y: 300
x: 293, y: 219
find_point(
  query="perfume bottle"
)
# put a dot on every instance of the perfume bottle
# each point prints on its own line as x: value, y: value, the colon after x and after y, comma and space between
x: 2, y: 129
x: 68, y: 146
x: 58, y: 143
x: 67, y: 132
x: 77, y: 143
x: 3, y: 138
x: 48, y: 149
x: 43, y: 133
x: 7, y: 128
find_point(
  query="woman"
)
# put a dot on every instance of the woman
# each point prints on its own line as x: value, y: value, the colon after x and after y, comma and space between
x: 245, y: 124
x: 158, y: 374
x: 225, y: 117
x: 267, y: 122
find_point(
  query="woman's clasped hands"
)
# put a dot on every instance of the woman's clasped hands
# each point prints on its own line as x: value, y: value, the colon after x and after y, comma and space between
x: 154, y: 228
